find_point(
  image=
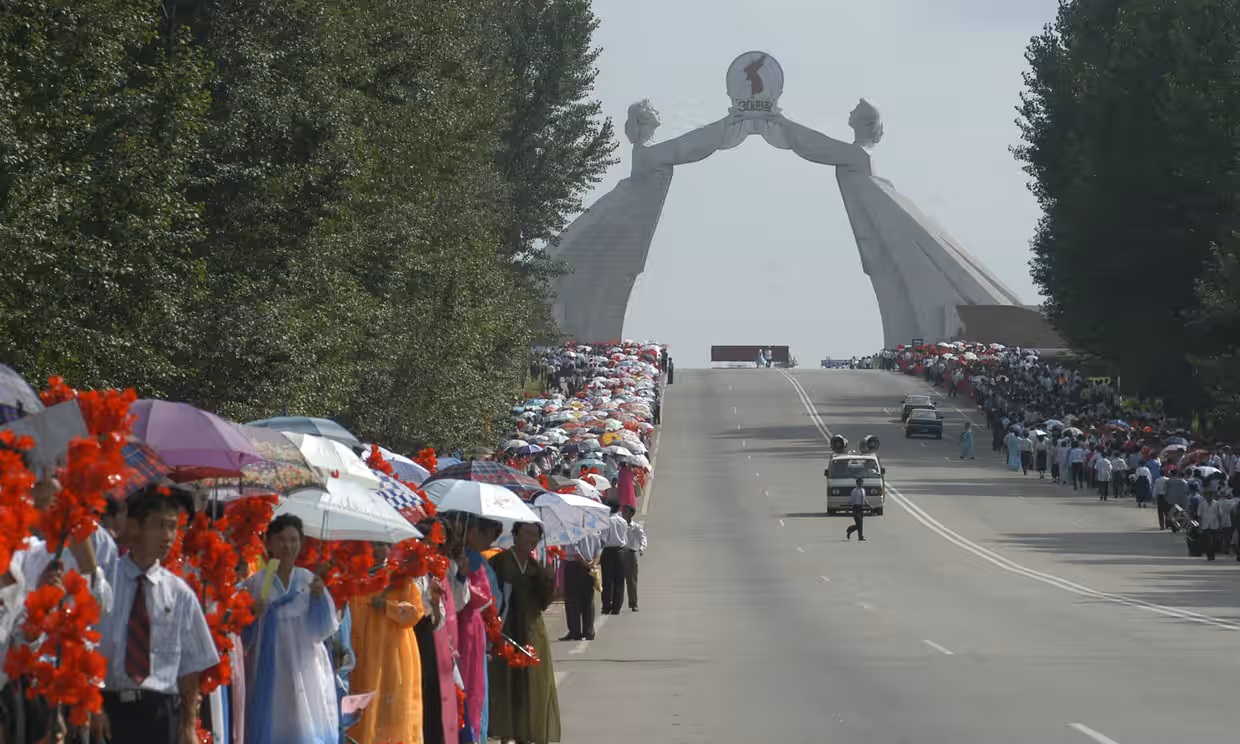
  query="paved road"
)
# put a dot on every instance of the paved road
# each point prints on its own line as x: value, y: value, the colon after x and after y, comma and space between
x: 985, y: 607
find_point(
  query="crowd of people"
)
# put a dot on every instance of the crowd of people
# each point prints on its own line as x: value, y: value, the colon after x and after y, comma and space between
x: 1081, y: 432
x: 167, y: 576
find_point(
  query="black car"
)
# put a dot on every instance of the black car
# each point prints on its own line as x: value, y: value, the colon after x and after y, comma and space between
x: 923, y: 421
x: 914, y: 403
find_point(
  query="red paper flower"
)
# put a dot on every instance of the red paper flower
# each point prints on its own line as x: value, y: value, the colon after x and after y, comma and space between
x: 63, y: 665
x: 244, y: 522
x: 501, y: 647
x: 426, y: 458
x: 347, y: 567
x: 94, y: 466
x: 17, y: 512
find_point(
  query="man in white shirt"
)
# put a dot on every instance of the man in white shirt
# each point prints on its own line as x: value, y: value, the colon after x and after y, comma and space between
x: 1102, y: 476
x: 1210, y: 519
x: 1119, y: 474
x: 156, y: 639
x: 1160, y: 499
x: 856, y: 500
x: 1076, y: 466
x: 634, y: 546
x: 611, y: 562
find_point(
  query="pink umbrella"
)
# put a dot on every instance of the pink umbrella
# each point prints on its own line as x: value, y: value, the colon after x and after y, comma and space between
x: 194, y: 443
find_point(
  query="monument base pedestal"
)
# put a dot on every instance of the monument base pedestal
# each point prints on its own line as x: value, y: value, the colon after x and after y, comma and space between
x: 1010, y: 325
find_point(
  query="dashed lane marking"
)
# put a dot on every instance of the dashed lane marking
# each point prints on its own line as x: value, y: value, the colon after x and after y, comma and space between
x: 1094, y: 735
x: 824, y: 579
x: 941, y: 649
x: 800, y: 549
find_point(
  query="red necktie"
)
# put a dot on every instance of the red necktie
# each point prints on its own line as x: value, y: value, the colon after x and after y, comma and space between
x: 138, y: 640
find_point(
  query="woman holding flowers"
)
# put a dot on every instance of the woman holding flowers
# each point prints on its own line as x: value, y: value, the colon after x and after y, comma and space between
x: 291, y: 693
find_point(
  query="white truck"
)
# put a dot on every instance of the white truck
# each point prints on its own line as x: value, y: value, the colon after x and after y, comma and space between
x: 845, y: 466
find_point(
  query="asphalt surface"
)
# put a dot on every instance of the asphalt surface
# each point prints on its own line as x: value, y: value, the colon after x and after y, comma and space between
x: 985, y: 606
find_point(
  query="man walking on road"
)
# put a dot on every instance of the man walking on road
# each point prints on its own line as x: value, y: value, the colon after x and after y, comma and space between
x: 856, y: 499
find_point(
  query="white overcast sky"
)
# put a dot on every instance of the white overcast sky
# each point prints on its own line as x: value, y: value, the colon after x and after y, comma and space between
x: 754, y: 245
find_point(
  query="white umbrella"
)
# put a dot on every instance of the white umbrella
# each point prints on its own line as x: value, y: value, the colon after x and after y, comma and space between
x: 639, y: 461
x: 406, y: 469
x: 347, y: 510
x: 596, y: 480
x: 566, y: 519
x: 587, y: 489
x: 483, y: 499
x: 331, y: 456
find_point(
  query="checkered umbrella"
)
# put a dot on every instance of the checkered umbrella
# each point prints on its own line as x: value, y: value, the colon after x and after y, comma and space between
x: 402, y: 498
x: 145, y: 468
x: 486, y: 471
x: 17, y: 398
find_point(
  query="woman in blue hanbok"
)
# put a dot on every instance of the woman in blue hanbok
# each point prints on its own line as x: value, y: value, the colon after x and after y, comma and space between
x: 966, y: 442
x: 291, y: 689
x: 1012, y: 442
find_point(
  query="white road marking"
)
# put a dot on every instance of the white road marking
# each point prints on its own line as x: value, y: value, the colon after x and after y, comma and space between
x: 800, y: 549
x: 948, y: 459
x: 733, y: 410
x: 559, y: 677
x: 781, y: 523
x: 886, y: 411
x: 583, y: 645
x: 824, y: 579
x: 744, y: 443
x: 729, y: 387
x: 1096, y: 736
x: 941, y: 649
x: 748, y: 457
x: 757, y: 475
x: 866, y: 606
x: 766, y: 493
x: 1008, y: 564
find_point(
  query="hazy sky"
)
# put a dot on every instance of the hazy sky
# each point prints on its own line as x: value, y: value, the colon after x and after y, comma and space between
x: 754, y: 244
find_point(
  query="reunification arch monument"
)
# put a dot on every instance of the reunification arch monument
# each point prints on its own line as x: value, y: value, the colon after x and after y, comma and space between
x: 925, y: 282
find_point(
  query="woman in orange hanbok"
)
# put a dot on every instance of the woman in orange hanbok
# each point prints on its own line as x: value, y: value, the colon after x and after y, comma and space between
x: 388, y: 663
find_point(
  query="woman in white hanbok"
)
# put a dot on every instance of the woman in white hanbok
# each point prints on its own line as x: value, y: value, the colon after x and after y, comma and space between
x: 291, y: 693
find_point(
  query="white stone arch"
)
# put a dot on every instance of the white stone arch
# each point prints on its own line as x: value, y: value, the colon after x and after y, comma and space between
x: 920, y: 274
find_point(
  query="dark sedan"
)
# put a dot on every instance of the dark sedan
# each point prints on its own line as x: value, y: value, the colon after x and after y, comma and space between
x: 923, y: 421
x: 914, y: 403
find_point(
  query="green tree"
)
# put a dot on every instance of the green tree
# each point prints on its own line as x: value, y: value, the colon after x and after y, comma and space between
x: 1219, y: 362
x: 448, y: 334
x: 98, y: 125
x: 554, y: 145
x: 1129, y: 119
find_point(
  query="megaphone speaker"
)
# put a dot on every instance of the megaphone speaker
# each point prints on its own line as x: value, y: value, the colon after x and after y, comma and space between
x: 869, y: 443
x: 839, y: 444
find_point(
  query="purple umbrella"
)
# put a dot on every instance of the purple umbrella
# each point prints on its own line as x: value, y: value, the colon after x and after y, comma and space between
x: 194, y: 443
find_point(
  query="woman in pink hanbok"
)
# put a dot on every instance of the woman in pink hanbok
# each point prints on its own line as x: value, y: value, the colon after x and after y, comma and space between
x: 468, y: 537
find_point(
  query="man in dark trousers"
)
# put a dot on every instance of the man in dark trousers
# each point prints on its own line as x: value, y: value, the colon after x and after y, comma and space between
x: 581, y: 559
x: 614, y: 539
x: 671, y: 371
x: 856, y: 500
